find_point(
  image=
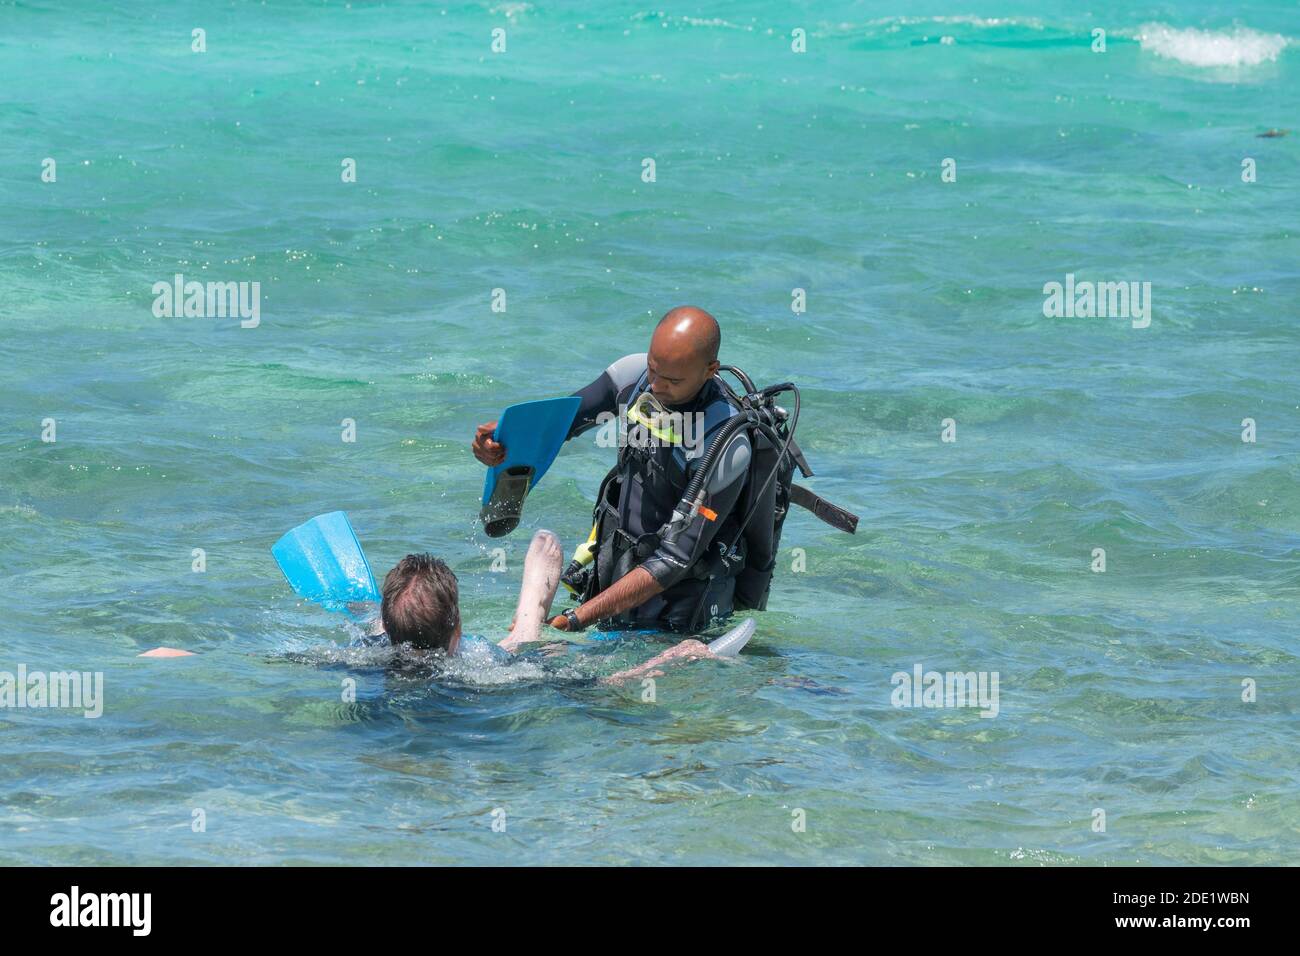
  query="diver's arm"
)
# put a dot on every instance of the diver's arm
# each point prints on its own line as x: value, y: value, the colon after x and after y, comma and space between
x: 597, y: 399
x: 631, y: 590
x: 601, y: 396
x: 675, y: 555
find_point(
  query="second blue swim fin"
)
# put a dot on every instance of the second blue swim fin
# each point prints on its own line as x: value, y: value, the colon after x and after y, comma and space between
x: 532, y: 433
x: 323, y: 562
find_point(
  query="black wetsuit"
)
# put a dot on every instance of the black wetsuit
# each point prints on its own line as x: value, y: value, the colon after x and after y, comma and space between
x: 649, y: 488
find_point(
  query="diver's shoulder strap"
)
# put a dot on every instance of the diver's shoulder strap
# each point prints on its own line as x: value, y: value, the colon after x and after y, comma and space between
x: 833, y: 515
x: 638, y: 386
x: 717, y: 412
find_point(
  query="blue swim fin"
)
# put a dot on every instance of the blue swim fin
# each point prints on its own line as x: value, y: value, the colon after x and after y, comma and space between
x: 532, y: 434
x: 323, y: 562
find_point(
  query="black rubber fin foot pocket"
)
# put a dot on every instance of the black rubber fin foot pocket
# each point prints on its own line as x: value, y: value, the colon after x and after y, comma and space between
x: 501, y: 514
x: 833, y: 515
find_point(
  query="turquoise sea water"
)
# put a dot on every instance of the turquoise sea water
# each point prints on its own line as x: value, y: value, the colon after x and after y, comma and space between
x: 1120, y: 691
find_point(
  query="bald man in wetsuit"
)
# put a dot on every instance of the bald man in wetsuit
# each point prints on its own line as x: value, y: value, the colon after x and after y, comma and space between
x: 661, y: 591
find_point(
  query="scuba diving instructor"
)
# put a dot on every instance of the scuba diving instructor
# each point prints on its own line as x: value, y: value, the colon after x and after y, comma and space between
x: 688, y: 521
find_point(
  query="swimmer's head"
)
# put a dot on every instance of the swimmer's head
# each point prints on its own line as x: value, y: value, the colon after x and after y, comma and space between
x: 421, y: 604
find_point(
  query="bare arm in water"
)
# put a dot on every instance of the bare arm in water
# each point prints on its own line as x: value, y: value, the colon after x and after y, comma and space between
x: 687, y: 650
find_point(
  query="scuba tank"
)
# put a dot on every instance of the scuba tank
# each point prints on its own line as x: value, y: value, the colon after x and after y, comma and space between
x: 749, y: 552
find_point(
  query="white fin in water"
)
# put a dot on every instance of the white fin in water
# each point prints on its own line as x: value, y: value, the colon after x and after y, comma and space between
x: 729, y: 644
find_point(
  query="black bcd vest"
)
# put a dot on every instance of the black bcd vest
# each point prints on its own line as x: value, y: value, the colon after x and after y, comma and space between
x: 637, y: 498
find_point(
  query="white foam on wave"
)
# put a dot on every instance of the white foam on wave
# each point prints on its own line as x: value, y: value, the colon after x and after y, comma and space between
x: 476, y: 666
x: 511, y: 10
x: 895, y: 24
x: 1240, y: 46
x: 965, y: 19
x: 483, y: 670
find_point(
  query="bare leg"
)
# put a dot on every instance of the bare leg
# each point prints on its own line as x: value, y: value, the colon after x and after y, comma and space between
x: 689, y: 650
x: 541, y: 578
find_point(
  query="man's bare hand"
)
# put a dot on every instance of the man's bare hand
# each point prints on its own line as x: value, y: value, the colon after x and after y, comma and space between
x: 485, y: 449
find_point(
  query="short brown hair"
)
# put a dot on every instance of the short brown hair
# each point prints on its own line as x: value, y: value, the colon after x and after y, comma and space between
x: 421, y: 602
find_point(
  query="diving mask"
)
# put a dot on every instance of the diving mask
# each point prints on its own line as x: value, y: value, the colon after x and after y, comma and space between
x: 650, y: 413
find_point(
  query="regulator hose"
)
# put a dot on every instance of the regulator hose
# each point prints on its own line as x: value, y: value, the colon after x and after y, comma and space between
x: 764, y: 418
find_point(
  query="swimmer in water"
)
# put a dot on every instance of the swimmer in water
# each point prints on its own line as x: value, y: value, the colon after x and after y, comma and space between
x: 421, y: 607
x: 420, y: 612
